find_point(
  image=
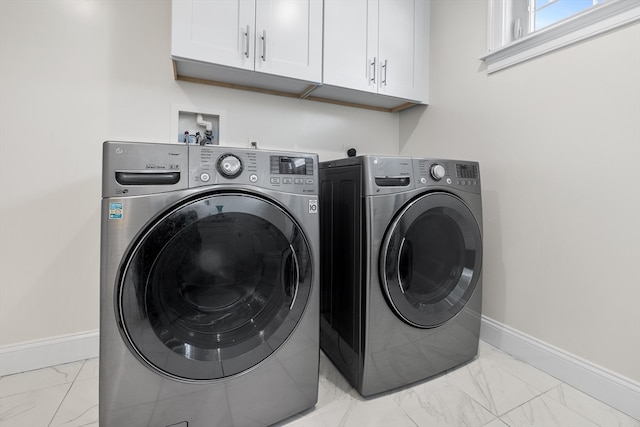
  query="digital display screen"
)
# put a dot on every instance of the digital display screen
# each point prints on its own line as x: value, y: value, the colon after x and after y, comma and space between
x: 291, y: 165
x: 467, y: 171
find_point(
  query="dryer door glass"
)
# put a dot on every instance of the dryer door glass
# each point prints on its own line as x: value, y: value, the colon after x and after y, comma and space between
x: 431, y: 259
x: 214, y: 286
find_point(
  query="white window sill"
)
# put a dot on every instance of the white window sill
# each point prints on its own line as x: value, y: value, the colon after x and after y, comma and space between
x: 596, y: 21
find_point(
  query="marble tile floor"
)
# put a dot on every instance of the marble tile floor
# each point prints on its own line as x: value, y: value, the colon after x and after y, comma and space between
x: 494, y: 390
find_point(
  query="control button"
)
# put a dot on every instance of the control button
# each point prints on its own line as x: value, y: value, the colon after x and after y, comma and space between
x: 253, y: 178
x: 287, y: 181
x: 275, y: 180
x: 437, y: 171
x: 448, y: 180
x: 205, y: 177
x: 309, y: 181
x: 423, y: 180
x: 229, y: 165
x: 298, y: 181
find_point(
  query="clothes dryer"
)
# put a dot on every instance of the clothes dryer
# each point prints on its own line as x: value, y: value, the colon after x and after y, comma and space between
x: 401, y: 268
x: 209, y: 285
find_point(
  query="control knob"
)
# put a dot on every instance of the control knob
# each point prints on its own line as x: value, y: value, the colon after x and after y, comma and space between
x: 229, y: 165
x: 437, y: 171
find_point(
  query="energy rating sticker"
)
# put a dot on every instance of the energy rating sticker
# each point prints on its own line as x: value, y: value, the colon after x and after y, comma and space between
x: 313, y: 206
x: 115, y: 210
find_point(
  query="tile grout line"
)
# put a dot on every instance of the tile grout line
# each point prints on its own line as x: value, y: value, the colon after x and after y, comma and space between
x: 554, y: 400
x: 53, y: 417
x: 499, y: 416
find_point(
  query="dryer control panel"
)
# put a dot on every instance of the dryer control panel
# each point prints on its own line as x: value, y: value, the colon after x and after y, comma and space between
x: 279, y: 170
x: 464, y: 175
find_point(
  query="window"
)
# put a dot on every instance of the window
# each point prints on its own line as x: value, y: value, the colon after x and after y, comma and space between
x: 543, y: 13
x: 519, y: 30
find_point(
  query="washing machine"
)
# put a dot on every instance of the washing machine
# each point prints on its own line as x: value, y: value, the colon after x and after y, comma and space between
x: 209, y: 311
x: 401, y: 268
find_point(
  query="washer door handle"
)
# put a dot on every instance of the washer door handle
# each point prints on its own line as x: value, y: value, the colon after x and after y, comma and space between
x: 291, y: 275
x: 405, y: 254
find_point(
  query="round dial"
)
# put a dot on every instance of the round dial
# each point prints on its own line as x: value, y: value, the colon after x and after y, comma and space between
x: 437, y: 171
x: 229, y: 165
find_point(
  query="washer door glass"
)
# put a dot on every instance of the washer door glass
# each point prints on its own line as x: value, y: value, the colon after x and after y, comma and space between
x: 431, y: 259
x: 214, y: 286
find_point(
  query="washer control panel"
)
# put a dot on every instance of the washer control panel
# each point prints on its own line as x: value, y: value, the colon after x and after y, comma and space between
x: 464, y: 175
x: 283, y: 171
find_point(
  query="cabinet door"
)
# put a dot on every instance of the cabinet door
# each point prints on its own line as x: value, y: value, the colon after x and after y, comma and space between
x: 214, y: 31
x: 350, y: 44
x: 289, y: 38
x: 402, y: 48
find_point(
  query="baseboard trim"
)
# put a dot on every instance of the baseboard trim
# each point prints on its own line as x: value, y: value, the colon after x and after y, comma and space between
x: 615, y: 390
x: 48, y: 352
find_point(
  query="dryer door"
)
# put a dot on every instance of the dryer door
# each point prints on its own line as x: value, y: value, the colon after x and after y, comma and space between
x: 431, y: 259
x: 214, y: 286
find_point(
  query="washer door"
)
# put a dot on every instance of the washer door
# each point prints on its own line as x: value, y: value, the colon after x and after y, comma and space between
x: 431, y: 259
x: 214, y: 286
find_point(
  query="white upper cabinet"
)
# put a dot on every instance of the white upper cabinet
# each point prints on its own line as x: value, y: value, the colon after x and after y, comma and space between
x: 214, y: 31
x: 377, y: 46
x: 365, y: 53
x: 402, y: 46
x: 289, y: 38
x: 350, y: 43
x: 278, y: 37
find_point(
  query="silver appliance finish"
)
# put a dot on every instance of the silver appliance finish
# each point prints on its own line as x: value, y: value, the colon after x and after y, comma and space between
x: 420, y: 225
x: 208, y: 285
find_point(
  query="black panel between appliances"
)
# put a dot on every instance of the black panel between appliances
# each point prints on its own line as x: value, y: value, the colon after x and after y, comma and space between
x: 341, y: 267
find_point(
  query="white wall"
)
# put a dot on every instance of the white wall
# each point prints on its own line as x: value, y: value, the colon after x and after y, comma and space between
x: 558, y: 141
x: 74, y: 74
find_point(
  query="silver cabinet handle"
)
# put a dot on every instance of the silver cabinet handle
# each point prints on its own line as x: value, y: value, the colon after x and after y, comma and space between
x: 384, y: 67
x: 246, y: 42
x: 373, y: 70
x: 264, y: 45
